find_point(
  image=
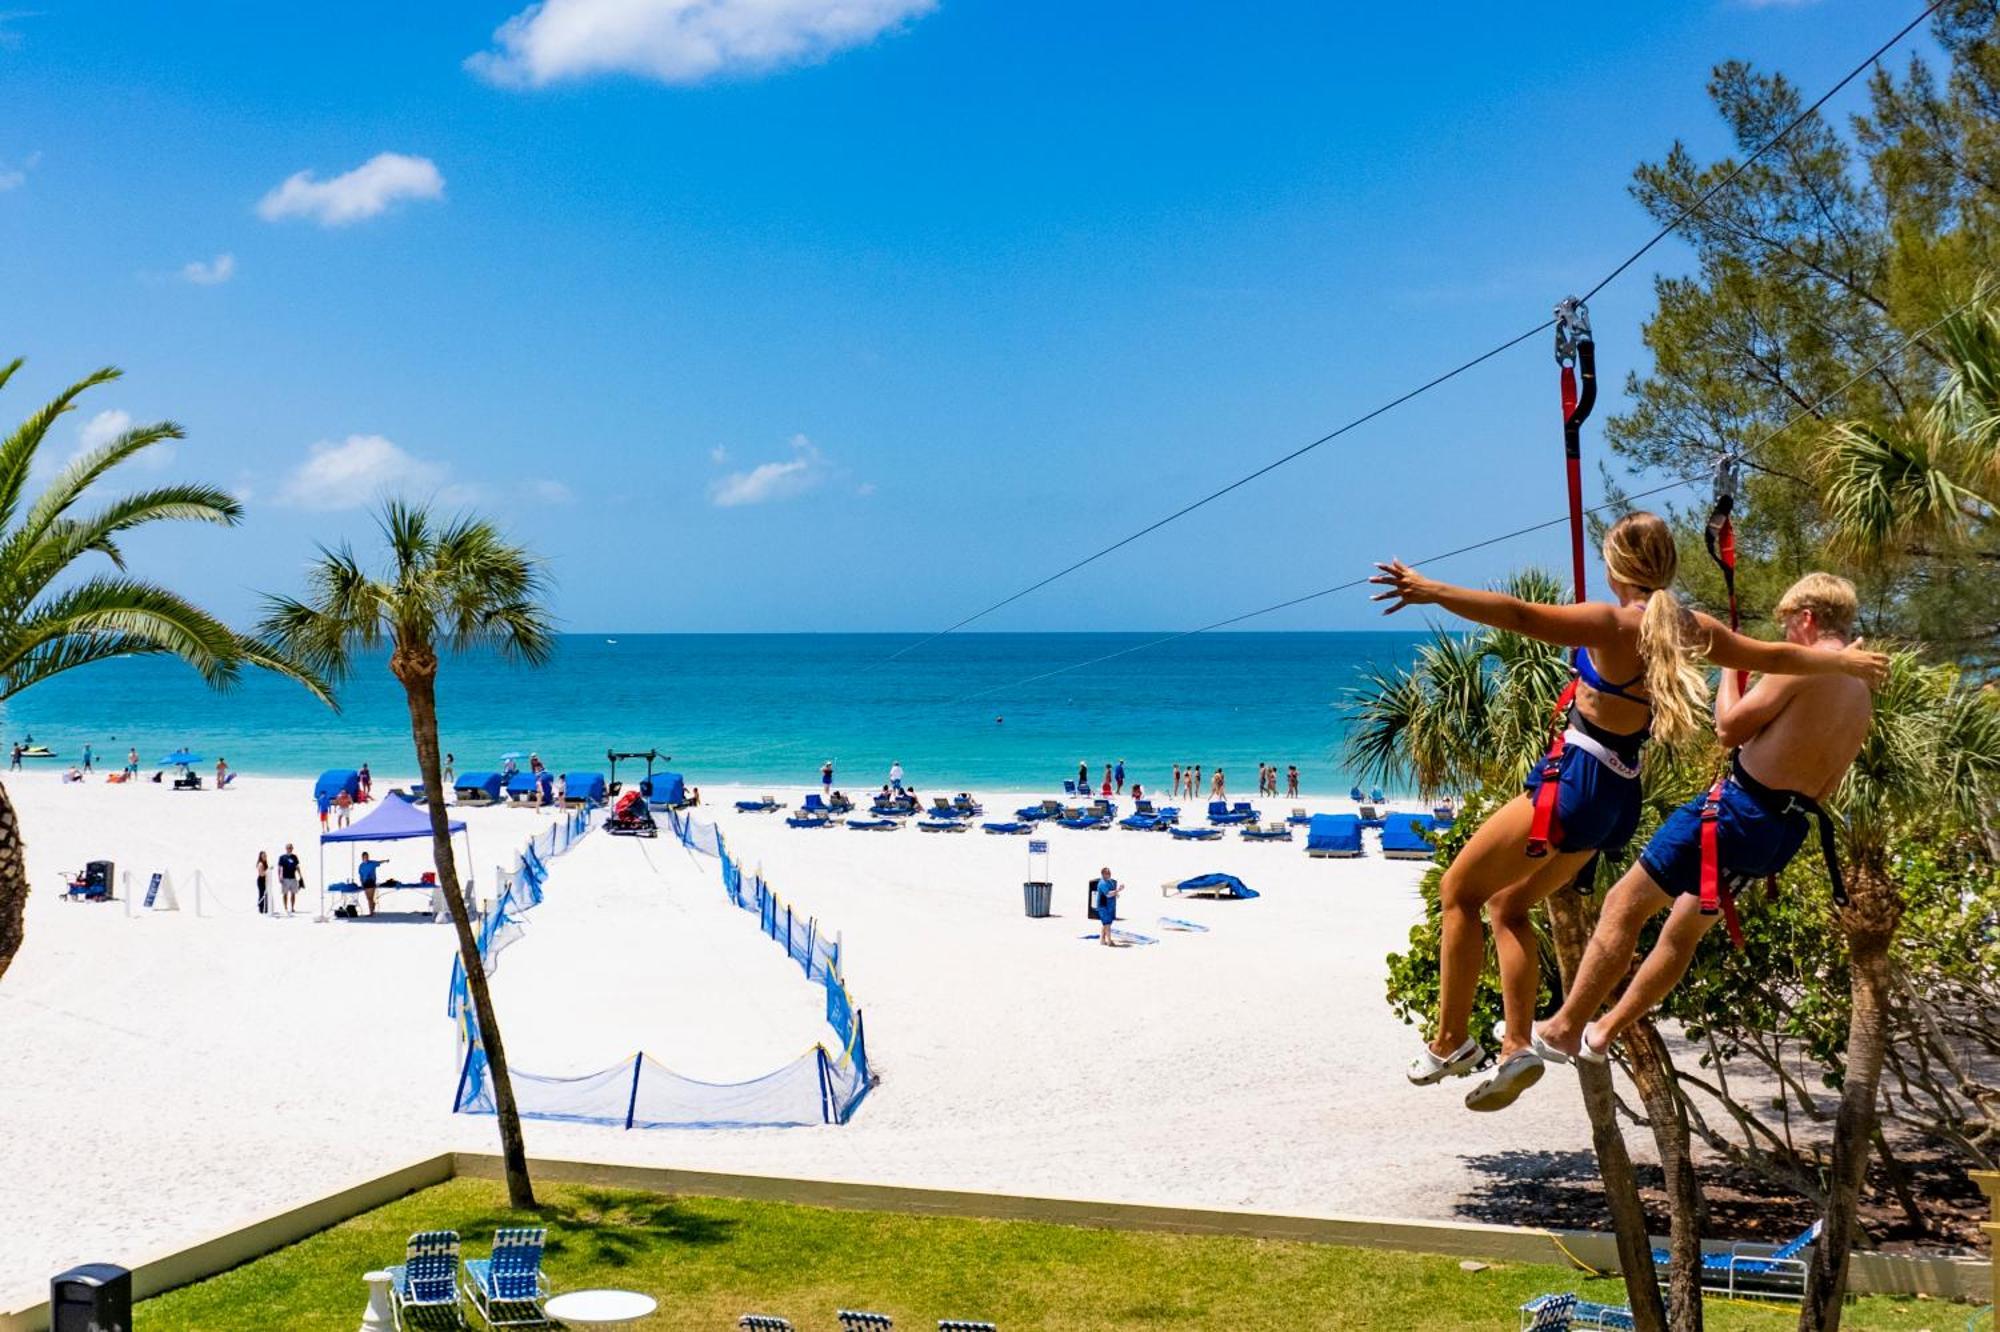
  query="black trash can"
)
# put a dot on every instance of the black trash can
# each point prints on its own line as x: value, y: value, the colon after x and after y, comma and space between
x: 96, y: 1297
x: 97, y: 878
x: 1035, y: 897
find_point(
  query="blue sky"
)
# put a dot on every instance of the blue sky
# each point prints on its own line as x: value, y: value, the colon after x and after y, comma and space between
x: 795, y: 315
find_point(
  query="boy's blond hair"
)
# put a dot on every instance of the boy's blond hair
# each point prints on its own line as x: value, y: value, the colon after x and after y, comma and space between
x: 1829, y: 597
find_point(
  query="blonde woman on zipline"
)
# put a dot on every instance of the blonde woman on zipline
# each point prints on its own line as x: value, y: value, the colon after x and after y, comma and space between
x: 1636, y: 677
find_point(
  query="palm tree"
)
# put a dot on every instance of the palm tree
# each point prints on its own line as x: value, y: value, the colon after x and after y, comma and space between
x: 54, y: 618
x: 1470, y: 715
x: 1931, y: 761
x: 451, y: 586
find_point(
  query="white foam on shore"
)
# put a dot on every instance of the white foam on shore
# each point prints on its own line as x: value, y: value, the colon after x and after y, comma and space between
x: 168, y: 1077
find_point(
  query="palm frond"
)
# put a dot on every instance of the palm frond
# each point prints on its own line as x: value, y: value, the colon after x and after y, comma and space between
x: 113, y: 616
x: 17, y: 451
x: 83, y: 471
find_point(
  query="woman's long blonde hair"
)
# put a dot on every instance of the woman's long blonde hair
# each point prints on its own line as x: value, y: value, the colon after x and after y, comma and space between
x: 1639, y: 551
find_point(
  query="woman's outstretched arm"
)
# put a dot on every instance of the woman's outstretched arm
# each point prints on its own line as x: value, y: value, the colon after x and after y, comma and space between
x: 1585, y: 624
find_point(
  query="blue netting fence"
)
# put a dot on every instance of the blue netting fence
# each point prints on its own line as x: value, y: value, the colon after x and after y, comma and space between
x: 816, y: 1088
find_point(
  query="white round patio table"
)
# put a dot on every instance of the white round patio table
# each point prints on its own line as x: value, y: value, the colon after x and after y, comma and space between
x: 600, y: 1308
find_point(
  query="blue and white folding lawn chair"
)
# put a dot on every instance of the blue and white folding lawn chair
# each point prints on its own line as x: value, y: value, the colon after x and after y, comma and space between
x: 507, y: 1289
x: 854, y: 1320
x: 1756, y: 1269
x: 423, y: 1288
x: 764, y: 1323
x: 1549, y: 1313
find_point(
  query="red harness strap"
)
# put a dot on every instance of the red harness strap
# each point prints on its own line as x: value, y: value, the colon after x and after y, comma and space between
x: 1715, y: 897
x: 1543, y: 830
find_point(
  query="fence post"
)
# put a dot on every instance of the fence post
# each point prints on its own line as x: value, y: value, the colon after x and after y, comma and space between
x: 632, y: 1105
x: 464, y: 1072
x: 812, y: 933
x: 825, y: 1088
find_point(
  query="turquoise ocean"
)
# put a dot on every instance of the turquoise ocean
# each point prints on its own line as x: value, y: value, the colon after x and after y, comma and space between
x: 768, y: 709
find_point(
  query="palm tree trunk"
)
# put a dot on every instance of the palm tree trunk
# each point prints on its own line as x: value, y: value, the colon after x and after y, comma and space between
x: 13, y: 883
x: 421, y: 689
x: 1572, y: 916
x: 1869, y: 921
x: 1652, y: 1068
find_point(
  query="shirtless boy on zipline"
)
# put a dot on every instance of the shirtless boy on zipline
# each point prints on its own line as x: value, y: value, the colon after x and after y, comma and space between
x: 1792, y: 739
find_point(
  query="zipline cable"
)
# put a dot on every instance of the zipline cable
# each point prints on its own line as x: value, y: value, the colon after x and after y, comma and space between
x: 1811, y: 409
x: 1448, y: 375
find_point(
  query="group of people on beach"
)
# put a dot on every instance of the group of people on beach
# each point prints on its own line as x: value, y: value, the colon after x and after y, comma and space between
x: 1791, y: 736
x: 1187, y: 781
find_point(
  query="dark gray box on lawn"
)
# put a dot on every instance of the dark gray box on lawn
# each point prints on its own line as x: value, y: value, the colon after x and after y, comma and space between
x: 96, y: 1297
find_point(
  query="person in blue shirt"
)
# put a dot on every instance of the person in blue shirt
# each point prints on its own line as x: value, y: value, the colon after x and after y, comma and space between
x: 1107, y: 904
x: 86, y: 757
x: 1118, y: 776
x: 370, y: 867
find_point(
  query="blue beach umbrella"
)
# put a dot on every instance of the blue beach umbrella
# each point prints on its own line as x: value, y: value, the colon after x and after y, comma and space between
x: 180, y: 758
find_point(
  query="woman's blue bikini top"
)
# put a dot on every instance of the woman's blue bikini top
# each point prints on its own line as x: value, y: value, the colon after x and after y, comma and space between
x: 1587, y: 673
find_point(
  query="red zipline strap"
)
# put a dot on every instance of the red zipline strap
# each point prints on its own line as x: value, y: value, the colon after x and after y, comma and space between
x: 1543, y: 830
x: 1714, y: 896
x: 1576, y: 353
x: 1721, y: 538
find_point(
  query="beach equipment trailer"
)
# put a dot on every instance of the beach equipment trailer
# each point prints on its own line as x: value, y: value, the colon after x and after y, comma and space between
x: 1333, y: 836
x: 631, y: 817
x: 394, y: 819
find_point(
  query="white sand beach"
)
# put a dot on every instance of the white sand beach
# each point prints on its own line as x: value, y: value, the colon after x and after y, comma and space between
x: 170, y: 1074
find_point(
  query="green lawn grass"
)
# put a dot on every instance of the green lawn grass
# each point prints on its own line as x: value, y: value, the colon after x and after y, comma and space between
x: 708, y: 1260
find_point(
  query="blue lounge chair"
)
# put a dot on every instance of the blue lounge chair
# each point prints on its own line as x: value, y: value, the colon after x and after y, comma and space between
x: 1274, y: 832
x: 423, y: 1288
x: 814, y: 805
x: 1195, y: 834
x: 1354, y: 794
x: 1565, y: 1311
x: 966, y: 807
x: 1140, y: 822
x: 1104, y: 809
x: 873, y: 825
x: 1085, y: 822
x: 808, y: 821
x: 1012, y: 828
x: 1069, y: 788
x: 941, y: 808
x: 1759, y: 1269
x: 764, y: 806
x: 1403, y: 837
x: 1168, y: 815
x: 1032, y: 813
x: 1143, y: 807
x: 1376, y: 797
x: 1220, y: 812
x: 1336, y: 836
x: 1299, y: 818
x: 942, y: 825
x: 507, y: 1289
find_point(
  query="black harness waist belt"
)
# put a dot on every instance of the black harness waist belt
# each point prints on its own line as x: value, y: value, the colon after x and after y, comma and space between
x: 1782, y: 803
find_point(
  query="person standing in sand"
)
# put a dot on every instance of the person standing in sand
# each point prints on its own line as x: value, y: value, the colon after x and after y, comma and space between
x: 132, y: 763
x: 221, y: 773
x: 1082, y: 777
x: 370, y: 869
x: 896, y: 774
x: 290, y: 878
x: 342, y: 803
x: 1119, y: 773
x: 450, y: 773
x: 1217, y: 790
x: 86, y: 756
x: 1292, y: 779
x: 826, y: 781
x: 367, y: 784
x: 1177, y: 781
x: 1107, y: 905
x: 1194, y: 784
x: 263, y: 884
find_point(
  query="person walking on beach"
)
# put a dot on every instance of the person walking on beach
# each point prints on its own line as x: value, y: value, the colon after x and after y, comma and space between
x: 86, y: 756
x: 325, y: 803
x: 896, y: 774
x: 131, y: 763
x: 1119, y: 773
x: 1082, y: 777
x: 1292, y: 779
x: 1107, y: 905
x: 1216, y: 789
x: 341, y: 804
x: 290, y: 878
x: 263, y: 884
x: 449, y: 764
x: 221, y: 772
x: 367, y: 784
x: 826, y: 781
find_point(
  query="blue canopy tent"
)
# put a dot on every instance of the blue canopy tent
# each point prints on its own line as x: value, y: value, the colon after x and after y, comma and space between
x: 332, y: 782
x: 477, y: 787
x: 662, y: 788
x: 394, y: 820
x: 585, y: 786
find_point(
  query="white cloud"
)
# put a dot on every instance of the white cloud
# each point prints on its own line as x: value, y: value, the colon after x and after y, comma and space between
x: 680, y: 41
x: 718, y: 455
x: 101, y: 429
x: 364, y: 192
x: 211, y: 274
x: 10, y: 180
x: 550, y: 491
x: 865, y: 489
x: 771, y: 481
x: 353, y: 472
x: 13, y: 179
